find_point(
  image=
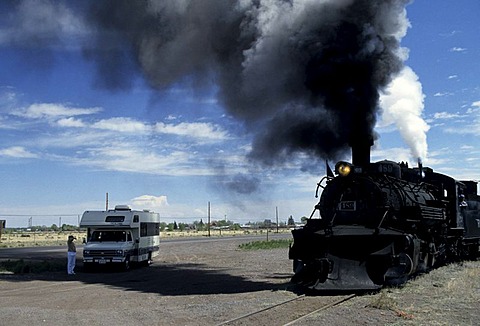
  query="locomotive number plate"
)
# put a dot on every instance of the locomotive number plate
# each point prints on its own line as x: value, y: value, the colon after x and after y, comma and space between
x: 349, y: 205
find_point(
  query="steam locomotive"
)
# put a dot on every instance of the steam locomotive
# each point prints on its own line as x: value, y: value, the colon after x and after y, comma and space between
x: 383, y: 222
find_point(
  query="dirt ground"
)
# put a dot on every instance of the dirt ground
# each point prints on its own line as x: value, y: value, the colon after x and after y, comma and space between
x: 210, y: 281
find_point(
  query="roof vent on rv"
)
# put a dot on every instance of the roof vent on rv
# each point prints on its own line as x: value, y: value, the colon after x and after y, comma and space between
x: 122, y: 208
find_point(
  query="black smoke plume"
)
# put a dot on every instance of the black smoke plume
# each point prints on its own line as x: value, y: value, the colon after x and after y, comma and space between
x: 303, y: 75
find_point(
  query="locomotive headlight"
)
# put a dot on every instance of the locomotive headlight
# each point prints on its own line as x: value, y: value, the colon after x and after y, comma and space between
x: 343, y: 168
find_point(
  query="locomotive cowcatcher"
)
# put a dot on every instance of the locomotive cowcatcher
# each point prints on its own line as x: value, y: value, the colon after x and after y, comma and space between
x: 382, y: 222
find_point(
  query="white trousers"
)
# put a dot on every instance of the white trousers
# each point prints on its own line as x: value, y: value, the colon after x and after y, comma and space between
x: 71, y: 262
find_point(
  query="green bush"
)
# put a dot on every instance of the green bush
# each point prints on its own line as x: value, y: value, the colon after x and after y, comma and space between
x: 272, y: 244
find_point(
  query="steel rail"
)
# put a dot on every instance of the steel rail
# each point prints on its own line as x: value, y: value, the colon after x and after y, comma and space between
x: 256, y: 312
x: 333, y: 304
x: 260, y: 311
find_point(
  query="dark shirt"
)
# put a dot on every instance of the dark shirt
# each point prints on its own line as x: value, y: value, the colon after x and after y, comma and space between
x: 71, y: 246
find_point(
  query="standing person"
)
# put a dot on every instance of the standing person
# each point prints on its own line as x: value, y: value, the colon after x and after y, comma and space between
x: 71, y: 255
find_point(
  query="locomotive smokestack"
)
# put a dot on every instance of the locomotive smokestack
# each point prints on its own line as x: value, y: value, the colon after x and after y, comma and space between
x: 361, y: 150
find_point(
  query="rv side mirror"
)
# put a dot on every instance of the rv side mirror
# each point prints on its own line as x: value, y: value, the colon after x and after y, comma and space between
x: 137, y: 240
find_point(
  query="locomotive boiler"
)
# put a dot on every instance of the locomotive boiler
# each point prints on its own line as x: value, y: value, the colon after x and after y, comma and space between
x: 382, y: 222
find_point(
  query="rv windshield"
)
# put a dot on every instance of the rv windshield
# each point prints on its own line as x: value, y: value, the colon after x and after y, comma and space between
x: 109, y: 235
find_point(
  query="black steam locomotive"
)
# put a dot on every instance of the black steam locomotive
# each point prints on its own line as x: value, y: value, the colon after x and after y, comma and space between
x: 383, y: 222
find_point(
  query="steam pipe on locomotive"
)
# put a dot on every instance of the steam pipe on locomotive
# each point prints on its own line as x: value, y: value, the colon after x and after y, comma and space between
x: 383, y: 222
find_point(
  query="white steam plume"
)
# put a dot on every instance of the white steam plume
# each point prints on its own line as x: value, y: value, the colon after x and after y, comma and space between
x: 402, y: 105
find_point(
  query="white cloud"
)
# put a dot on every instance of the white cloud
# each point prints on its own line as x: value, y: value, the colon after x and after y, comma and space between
x: 17, y: 152
x: 73, y: 138
x: 171, y: 117
x: 6, y: 124
x: 53, y: 110
x: 70, y: 122
x: 151, y: 202
x: 447, y: 115
x: 194, y: 129
x: 471, y: 123
x: 458, y: 49
x: 129, y: 157
x: 449, y: 34
x: 399, y: 153
x: 120, y: 124
x: 116, y: 144
x: 8, y: 97
x: 440, y: 94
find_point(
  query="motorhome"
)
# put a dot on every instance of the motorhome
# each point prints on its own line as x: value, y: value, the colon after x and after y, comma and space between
x: 121, y: 236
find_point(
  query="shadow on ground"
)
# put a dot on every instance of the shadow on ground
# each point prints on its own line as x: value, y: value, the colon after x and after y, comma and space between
x: 164, y: 279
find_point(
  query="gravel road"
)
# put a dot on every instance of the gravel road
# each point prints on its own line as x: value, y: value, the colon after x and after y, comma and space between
x: 208, y: 283
x: 190, y: 283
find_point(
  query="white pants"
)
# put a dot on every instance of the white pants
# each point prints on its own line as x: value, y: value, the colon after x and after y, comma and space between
x: 71, y: 262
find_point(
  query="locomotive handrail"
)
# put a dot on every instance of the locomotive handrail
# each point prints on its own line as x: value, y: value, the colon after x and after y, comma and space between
x: 314, y: 209
x: 413, y: 189
x: 377, y: 229
x: 319, y: 184
x: 335, y: 215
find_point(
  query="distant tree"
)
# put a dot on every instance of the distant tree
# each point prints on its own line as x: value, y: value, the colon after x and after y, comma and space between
x: 163, y: 226
x: 182, y: 226
x: 291, y: 221
x: 170, y: 227
x: 199, y: 225
x: 304, y: 219
x: 175, y: 226
x: 54, y: 227
x: 66, y: 227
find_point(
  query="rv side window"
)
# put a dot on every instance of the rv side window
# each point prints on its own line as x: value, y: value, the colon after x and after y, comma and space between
x: 135, y: 218
x: 115, y: 219
x: 149, y: 229
x: 129, y: 236
x: 143, y: 229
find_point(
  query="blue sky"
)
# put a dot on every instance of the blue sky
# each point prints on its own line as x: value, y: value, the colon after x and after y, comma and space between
x: 67, y: 139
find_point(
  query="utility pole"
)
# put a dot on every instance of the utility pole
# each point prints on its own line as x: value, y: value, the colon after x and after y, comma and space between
x: 106, y: 202
x: 276, y: 215
x: 208, y: 227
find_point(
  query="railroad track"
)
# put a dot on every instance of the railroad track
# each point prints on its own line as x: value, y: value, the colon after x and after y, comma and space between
x: 289, y: 312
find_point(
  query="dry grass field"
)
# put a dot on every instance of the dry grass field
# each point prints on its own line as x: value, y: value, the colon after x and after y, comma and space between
x: 59, y: 238
x: 34, y: 239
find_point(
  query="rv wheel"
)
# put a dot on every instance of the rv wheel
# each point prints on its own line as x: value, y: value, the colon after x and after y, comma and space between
x: 148, y: 262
